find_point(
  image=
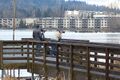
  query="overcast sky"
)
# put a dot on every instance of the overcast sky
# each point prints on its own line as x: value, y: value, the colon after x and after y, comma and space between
x: 101, y: 2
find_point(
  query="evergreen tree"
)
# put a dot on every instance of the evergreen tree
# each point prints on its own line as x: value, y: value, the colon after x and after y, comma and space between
x: 22, y: 24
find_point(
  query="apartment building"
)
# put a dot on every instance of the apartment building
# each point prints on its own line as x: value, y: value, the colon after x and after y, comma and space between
x: 51, y: 22
x: 73, y: 20
x: 82, y: 20
x: 74, y: 23
x: 8, y: 22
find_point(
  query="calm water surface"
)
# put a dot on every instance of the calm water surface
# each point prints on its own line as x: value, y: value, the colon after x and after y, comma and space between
x: 93, y: 37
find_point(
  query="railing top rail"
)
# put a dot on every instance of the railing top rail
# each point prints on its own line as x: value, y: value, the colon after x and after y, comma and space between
x: 86, y: 44
x: 77, y: 42
x: 93, y: 45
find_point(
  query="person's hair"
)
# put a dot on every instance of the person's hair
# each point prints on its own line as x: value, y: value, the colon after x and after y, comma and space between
x: 37, y: 26
x: 58, y: 30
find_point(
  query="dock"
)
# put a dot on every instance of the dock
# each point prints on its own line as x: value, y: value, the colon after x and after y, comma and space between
x: 74, y: 60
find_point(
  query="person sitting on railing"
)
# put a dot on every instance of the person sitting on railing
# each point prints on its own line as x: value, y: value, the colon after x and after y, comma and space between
x: 38, y: 35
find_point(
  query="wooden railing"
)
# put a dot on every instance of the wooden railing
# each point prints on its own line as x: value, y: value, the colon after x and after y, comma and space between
x: 94, y: 60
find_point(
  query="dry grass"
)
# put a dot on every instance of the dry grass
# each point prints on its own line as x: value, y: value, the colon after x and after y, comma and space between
x: 9, y: 78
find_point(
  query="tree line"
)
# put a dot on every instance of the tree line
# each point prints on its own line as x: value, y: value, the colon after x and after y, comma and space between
x: 45, y: 8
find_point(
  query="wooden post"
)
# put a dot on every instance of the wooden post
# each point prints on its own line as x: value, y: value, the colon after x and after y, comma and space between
x: 112, y: 61
x: 33, y: 60
x: 28, y: 56
x: 1, y: 58
x: 22, y: 49
x: 71, y: 63
x: 107, y: 64
x: 88, y: 64
x: 44, y: 64
x: 95, y: 59
x: 57, y: 62
x: 1, y: 54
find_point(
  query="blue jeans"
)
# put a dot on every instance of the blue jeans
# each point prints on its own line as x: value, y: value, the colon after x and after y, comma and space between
x: 53, y: 50
x: 38, y: 47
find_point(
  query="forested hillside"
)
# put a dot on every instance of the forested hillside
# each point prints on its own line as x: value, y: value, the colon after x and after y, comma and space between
x: 45, y: 8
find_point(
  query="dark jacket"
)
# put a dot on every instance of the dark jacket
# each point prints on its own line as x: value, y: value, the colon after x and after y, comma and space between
x: 38, y: 35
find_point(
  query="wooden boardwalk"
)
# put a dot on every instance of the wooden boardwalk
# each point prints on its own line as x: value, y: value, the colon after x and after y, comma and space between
x: 78, y: 60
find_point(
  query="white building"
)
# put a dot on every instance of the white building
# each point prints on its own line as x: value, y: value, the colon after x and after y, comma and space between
x: 79, y: 20
x: 8, y: 22
x: 29, y: 21
x: 97, y: 22
x: 51, y: 22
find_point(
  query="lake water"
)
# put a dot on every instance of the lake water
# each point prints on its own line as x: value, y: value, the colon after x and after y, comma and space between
x: 93, y: 37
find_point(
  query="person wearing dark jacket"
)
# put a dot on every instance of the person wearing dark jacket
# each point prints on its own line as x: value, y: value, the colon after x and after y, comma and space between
x: 38, y: 35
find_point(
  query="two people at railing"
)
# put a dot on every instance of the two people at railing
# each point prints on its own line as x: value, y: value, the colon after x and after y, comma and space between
x: 38, y: 34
